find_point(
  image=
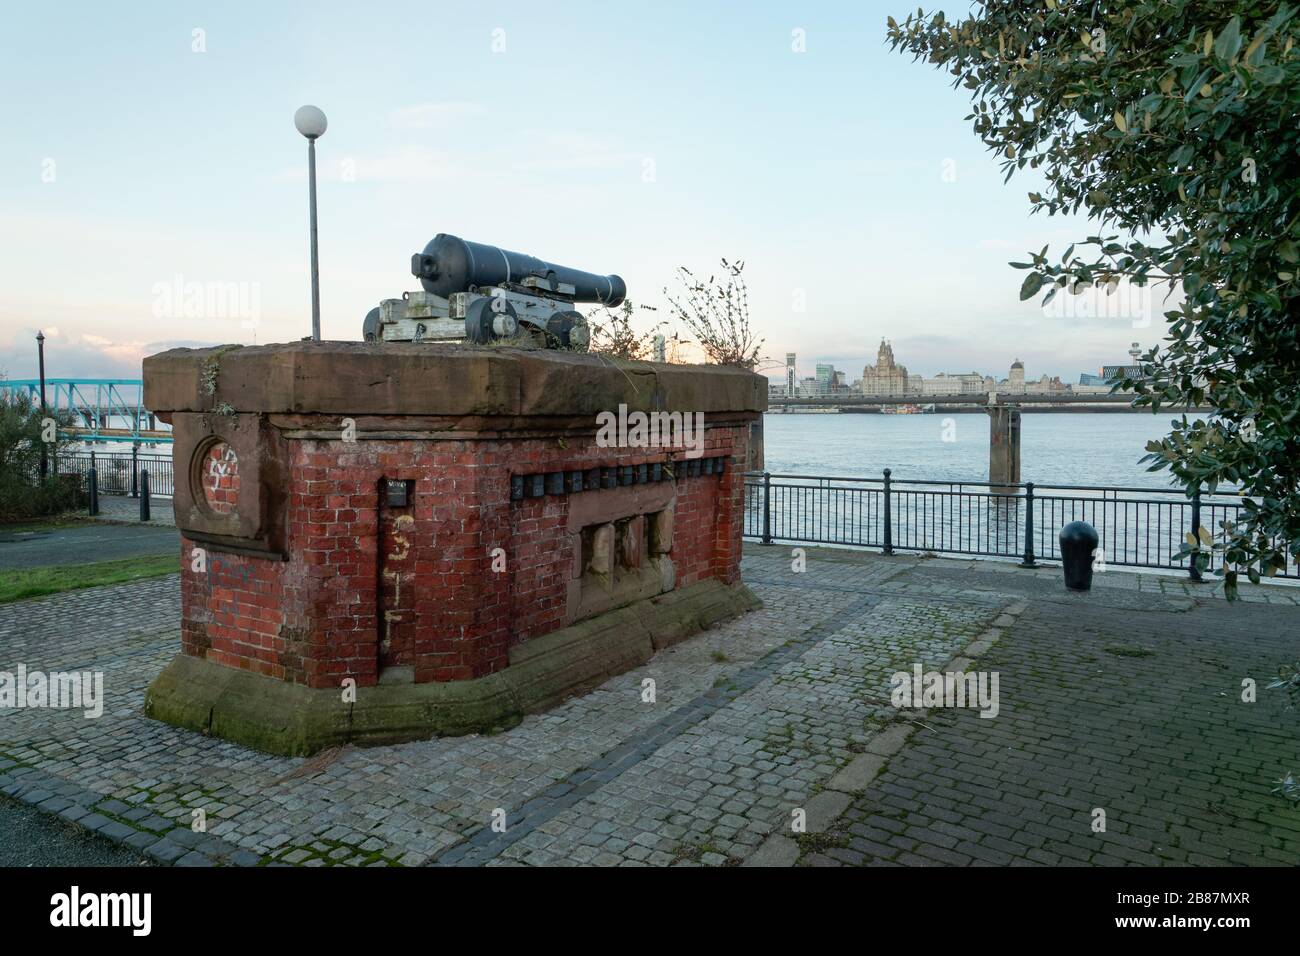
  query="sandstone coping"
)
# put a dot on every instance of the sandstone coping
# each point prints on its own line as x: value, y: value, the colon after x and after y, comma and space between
x: 449, y: 380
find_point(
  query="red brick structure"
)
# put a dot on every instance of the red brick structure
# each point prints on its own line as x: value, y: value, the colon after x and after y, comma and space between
x: 406, y: 516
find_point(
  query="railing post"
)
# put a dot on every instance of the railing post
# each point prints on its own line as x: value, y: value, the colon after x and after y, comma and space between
x: 135, y: 469
x: 144, y: 495
x: 1028, y: 561
x: 889, y: 518
x: 92, y: 483
x: 1193, y: 571
x: 767, y: 508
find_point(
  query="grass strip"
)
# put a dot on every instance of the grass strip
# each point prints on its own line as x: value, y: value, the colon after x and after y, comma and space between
x: 22, y: 583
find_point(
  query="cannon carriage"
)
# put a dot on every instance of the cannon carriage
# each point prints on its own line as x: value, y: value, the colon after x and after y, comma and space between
x: 479, y: 293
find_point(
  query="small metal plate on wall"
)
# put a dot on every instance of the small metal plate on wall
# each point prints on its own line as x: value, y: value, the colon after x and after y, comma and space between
x: 397, y: 492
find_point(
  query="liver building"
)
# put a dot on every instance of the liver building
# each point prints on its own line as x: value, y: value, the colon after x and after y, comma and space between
x: 885, y: 377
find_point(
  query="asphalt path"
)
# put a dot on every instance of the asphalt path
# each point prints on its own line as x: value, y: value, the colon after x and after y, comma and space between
x: 83, y: 544
x: 29, y: 837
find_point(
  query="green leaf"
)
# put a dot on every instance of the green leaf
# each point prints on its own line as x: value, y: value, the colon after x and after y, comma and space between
x: 1229, y: 41
x: 1029, y: 288
x: 1270, y: 75
x: 1196, y: 85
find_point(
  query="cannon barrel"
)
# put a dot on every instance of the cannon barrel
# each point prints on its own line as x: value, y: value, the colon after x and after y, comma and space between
x: 450, y: 264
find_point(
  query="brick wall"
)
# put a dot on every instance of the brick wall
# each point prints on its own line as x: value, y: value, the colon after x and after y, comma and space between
x: 369, y: 585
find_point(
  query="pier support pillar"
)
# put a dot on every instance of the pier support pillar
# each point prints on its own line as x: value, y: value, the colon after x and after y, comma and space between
x: 1004, y: 445
x: 757, y: 461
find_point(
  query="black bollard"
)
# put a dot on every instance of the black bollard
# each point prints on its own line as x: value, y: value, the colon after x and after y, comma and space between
x: 144, y: 495
x: 1078, y: 543
x: 92, y: 483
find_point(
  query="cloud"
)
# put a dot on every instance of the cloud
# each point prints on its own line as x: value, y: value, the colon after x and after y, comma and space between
x: 82, y: 356
x: 434, y: 115
x: 70, y: 360
x: 153, y: 347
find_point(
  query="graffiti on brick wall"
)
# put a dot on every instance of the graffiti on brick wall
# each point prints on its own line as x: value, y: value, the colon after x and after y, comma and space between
x: 220, y: 478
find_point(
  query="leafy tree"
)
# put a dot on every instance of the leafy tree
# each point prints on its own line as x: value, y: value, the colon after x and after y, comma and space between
x: 1173, y: 125
x: 22, y: 493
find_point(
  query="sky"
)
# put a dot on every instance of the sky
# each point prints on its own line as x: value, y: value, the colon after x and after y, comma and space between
x: 153, y: 190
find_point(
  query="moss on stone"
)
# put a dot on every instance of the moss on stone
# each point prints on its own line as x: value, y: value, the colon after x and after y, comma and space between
x: 283, y: 718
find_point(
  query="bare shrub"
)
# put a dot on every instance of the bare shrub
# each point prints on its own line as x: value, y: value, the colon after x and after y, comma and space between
x: 612, y: 333
x: 716, y: 312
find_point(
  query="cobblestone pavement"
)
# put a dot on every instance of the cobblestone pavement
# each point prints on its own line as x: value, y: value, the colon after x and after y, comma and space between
x: 1132, y: 708
x: 1125, y: 699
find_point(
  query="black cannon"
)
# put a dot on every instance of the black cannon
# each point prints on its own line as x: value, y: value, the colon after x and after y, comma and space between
x: 450, y: 264
x: 483, y: 293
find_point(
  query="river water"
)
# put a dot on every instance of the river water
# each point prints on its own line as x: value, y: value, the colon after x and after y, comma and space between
x: 1074, y: 448
x: 1143, y: 528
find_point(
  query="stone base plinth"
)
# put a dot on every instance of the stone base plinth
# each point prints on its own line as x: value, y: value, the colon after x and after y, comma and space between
x: 284, y: 718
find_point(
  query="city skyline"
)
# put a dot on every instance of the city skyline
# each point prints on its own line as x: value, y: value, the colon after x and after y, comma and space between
x: 853, y: 376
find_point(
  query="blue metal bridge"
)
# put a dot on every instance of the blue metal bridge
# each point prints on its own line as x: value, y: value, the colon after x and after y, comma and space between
x: 105, y: 409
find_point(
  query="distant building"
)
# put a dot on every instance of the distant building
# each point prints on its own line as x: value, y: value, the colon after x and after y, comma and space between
x: 885, y: 377
x: 827, y: 382
x: 962, y: 383
x: 1108, y: 375
x: 809, y: 388
x: 1045, y: 385
x: 830, y: 380
x: 1111, y: 372
x: 1016, y: 380
x: 1132, y: 370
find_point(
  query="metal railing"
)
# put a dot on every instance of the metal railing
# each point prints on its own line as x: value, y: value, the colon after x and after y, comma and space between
x: 1139, y: 527
x: 118, y: 473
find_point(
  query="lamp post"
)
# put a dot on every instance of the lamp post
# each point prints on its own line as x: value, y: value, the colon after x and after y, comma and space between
x: 40, y: 359
x: 310, y: 121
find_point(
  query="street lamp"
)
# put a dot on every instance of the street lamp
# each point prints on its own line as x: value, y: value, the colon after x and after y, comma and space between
x: 40, y: 357
x: 310, y: 121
